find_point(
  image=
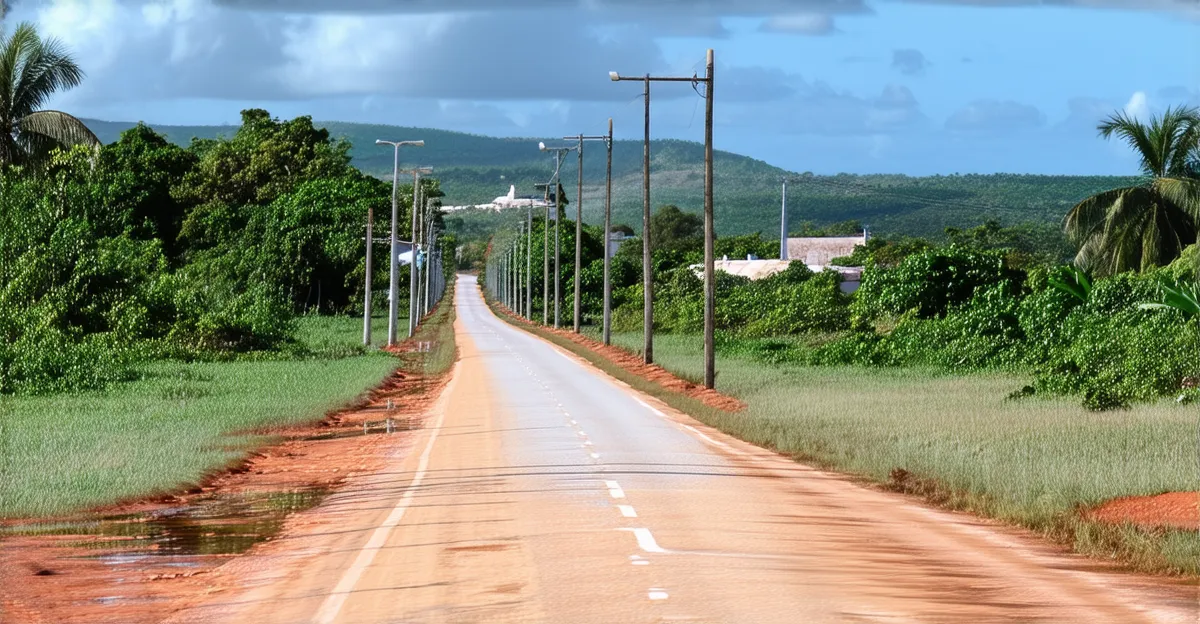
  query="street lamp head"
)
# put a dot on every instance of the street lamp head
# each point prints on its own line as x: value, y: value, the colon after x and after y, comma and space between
x: 542, y: 145
x: 614, y: 76
x: 380, y: 142
x: 415, y: 143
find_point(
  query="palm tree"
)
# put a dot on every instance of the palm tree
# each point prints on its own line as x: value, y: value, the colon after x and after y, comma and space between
x: 1148, y: 225
x: 31, y: 70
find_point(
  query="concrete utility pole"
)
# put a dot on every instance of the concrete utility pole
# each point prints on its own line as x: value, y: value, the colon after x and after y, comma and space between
x: 709, y: 235
x: 416, y: 232
x: 710, y: 298
x: 579, y: 220
x: 429, y: 252
x: 559, y: 152
x: 529, y: 262
x: 783, y: 224
x: 607, y: 332
x: 393, y: 285
x: 370, y: 273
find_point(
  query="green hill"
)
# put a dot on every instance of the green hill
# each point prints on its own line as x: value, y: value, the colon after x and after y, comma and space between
x: 475, y: 169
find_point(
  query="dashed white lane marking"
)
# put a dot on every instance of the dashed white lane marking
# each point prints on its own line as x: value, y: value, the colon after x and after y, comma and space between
x: 595, y: 456
x: 627, y: 511
x: 637, y: 560
x: 587, y: 443
x: 657, y: 594
x: 583, y: 434
x: 645, y: 540
x: 614, y: 489
x: 333, y: 603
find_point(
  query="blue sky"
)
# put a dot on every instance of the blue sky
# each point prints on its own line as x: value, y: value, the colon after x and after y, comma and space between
x: 861, y: 86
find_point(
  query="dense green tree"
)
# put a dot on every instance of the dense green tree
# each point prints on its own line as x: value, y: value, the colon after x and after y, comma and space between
x: 265, y: 159
x: 1147, y: 225
x: 671, y: 229
x: 31, y: 70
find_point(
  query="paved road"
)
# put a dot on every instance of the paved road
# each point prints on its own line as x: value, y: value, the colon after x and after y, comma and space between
x: 544, y: 491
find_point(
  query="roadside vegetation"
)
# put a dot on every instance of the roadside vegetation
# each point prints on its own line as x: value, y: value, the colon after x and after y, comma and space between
x: 162, y: 305
x: 177, y: 423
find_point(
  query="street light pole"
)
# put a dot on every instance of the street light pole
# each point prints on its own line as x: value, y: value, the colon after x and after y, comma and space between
x: 709, y: 235
x: 393, y: 286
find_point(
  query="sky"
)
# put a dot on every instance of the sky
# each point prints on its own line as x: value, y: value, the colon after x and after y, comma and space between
x: 917, y: 87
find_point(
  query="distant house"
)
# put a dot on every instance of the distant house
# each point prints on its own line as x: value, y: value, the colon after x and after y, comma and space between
x: 821, y: 250
x: 614, y: 241
x: 755, y: 269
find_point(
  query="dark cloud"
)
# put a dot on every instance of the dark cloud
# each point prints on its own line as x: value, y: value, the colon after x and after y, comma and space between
x: 909, y: 62
x: 995, y: 117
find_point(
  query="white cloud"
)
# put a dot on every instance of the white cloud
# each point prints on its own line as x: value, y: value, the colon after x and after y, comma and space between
x: 1138, y: 106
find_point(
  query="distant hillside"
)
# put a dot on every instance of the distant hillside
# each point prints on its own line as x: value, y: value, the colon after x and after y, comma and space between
x: 475, y: 169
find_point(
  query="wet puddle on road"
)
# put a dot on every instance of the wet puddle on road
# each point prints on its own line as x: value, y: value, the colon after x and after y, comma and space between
x: 216, y: 525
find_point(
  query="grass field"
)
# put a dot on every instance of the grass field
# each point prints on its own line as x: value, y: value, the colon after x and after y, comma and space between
x: 1030, y: 462
x: 69, y: 452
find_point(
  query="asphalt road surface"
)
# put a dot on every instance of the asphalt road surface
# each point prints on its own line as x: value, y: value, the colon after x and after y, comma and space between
x: 543, y: 491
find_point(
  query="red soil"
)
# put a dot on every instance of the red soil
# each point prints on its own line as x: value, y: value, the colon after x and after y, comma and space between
x: 56, y: 579
x: 1177, y: 510
x: 633, y: 363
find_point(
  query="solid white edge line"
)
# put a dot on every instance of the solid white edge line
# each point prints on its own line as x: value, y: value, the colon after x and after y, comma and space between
x: 333, y: 603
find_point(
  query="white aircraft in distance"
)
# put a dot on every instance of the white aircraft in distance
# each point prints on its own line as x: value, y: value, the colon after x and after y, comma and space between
x: 504, y: 202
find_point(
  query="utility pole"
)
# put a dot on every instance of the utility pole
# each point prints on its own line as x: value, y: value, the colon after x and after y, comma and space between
x: 529, y: 262
x: 579, y: 221
x: 710, y: 298
x: 367, y: 282
x: 428, y: 251
x: 647, y: 268
x: 558, y: 154
x: 783, y: 224
x: 608, y: 232
x: 709, y: 282
x: 393, y: 285
x: 416, y: 229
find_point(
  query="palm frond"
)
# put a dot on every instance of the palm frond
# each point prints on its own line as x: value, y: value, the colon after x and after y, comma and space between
x: 12, y: 47
x: 46, y: 68
x: 1137, y: 135
x: 56, y: 126
x: 1088, y: 217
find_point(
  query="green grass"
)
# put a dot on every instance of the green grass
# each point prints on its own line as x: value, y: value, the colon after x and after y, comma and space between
x: 1031, y: 462
x: 65, y: 453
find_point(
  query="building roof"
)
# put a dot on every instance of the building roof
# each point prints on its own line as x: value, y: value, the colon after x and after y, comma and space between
x: 820, y: 250
x: 758, y: 269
